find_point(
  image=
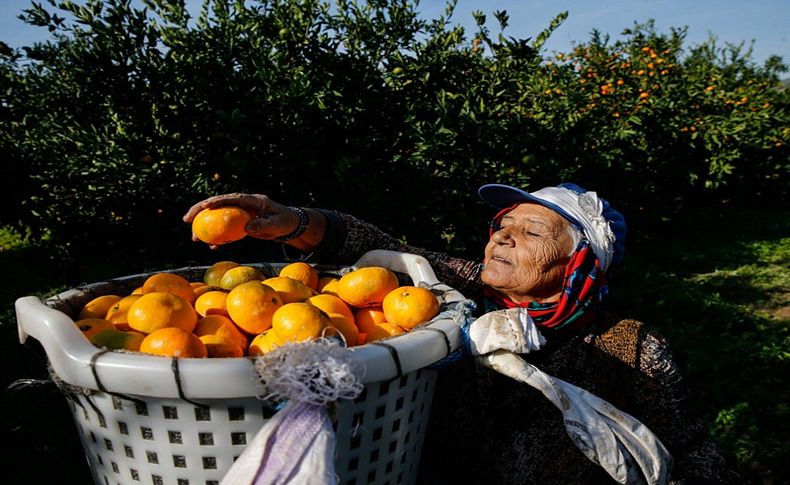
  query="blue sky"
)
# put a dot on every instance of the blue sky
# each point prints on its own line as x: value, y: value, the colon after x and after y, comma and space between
x: 766, y: 22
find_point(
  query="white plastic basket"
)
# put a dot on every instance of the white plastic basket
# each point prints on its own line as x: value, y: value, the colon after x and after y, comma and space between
x: 155, y: 420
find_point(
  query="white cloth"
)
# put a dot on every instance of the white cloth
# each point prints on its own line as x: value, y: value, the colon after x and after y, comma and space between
x: 628, y: 451
x: 296, y: 446
x: 511, y: 329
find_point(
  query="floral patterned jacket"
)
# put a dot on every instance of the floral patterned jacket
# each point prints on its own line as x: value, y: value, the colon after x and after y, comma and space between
x: 486, y: 428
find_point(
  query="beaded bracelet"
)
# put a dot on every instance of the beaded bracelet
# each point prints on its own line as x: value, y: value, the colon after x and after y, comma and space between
x: 303, y: 222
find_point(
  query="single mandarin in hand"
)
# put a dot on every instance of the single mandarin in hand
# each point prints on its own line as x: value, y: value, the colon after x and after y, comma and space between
x: 221, y: 225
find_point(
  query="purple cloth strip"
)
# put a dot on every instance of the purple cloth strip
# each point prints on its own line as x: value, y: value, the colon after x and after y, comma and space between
x: 286, y: 448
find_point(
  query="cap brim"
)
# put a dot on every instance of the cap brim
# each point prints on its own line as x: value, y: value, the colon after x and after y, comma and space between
x: 501, y: 196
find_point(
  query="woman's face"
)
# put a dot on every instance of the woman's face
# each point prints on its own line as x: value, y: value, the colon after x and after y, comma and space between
x: 525, y: 259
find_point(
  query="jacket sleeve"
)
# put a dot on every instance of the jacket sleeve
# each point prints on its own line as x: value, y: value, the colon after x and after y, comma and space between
x: 348, y: 238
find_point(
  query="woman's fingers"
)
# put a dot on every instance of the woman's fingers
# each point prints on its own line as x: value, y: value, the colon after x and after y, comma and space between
x: 253, y: 202
x: 272, y: 219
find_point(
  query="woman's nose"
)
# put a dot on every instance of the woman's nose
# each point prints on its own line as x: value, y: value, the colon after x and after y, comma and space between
x: 502, y: 236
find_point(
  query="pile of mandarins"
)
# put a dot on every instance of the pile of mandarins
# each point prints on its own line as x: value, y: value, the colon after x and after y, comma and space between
x: 236, y: 311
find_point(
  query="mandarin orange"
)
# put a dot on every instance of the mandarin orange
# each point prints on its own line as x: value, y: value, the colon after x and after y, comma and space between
x: 173, y: 342
x: 251, y: 306
x: 221, y: 225
x: 159, y: 309
x: 367, y: 286
x: 408, y: 306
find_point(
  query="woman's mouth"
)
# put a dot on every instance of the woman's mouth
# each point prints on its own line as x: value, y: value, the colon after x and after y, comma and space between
x: 499, y: 259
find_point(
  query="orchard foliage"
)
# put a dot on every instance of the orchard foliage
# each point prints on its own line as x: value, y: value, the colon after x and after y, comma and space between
x: 131, y: 112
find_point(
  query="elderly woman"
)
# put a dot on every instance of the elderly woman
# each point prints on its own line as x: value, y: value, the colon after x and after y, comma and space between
x: 549, y: 251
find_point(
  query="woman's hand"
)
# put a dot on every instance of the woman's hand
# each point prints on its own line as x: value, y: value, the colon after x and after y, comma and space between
x: 272, y: 219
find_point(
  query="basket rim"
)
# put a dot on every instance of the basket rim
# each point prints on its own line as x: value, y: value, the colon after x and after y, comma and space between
x: 77, y: 362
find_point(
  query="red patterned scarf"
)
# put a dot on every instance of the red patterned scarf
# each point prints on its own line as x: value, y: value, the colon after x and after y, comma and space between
x: 583, y: 288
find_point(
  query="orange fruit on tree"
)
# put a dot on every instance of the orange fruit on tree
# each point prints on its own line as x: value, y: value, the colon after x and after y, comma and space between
x: 327, y: 284
x: 331, y: 304
x: 118, y: 314
x: 366, y: 287
x: 173, y: 342
x: 115, y: 339
x: 159, y: 309
x: 221, y: 225
x: 222, y: 326
x: 251, y: 306
x: 366, y: 318
x: 383, y: 330
x: 264, y: 342
x: 346, y: 327
x: 238, y: 275
x: 408, y: 306
x: 97, y: 307
x: 290, y: 290
x: 303, y: 272
x: 91, y: 326
x: 214, y: 273
x: 218, y: 346
x: 298, y: 321
x: 211, y: 303
x: 170, y: 283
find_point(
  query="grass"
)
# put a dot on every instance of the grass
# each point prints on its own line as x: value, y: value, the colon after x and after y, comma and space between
x: 716, y: 284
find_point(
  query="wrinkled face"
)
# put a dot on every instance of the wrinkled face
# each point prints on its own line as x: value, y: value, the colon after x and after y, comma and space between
x: 525, y: 258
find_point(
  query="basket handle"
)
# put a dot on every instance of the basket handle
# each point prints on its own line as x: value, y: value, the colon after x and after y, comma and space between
x: 53, y: 329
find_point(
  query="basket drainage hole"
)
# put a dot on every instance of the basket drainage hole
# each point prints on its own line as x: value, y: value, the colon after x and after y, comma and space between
x: 170, y: 412
x: 209, y: 463
x: 206, y: 438
x: 380, y: 411
x: 141, y: 409
x: 183, y: 481
x: 152, y: 457
x: 175, y: 437
x: 202, y: 414
x: 238, y: 438
x: 236, y: 414
x: 179, y: 461
x: 355, y: 442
